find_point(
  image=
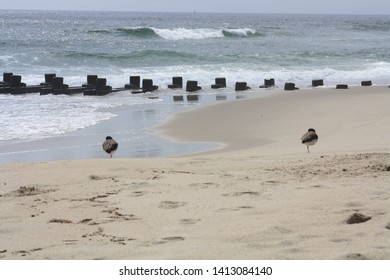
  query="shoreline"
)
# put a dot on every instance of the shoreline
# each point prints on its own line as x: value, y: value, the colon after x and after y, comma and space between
x: 132, y: 127
x: 85, y: 145
x: 255, y: 114
x: 262, y: 196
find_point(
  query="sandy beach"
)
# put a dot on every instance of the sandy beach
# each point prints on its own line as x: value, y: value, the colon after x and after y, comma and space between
x: 260, y: 196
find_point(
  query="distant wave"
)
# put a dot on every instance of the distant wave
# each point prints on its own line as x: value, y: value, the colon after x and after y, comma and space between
x: 139, y: 58
x: 241, y: 32
x: 181, y: 33
x: 143, y: 32
x: 374, y: 26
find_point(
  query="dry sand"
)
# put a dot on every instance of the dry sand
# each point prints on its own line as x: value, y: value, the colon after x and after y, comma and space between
x: 261, y: 196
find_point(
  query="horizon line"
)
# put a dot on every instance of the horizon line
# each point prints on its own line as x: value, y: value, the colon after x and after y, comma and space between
x: 195, y: 12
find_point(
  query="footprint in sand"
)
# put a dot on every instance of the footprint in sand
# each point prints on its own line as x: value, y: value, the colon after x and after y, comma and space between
x: 166, y: 240
x: 189, y: 221
x: 24, y: 253
x: 28, y: 191
x: 3, y: 254
x: 173, y: 238
x: 70, y: 242
x: 244, y: 207
x: 340, y: 240
x: 171, y: 204
x: 60, y: 221
x: 354, y: 204
x: 356, y: 256
x: 249, y: 193
x: 138, y: 193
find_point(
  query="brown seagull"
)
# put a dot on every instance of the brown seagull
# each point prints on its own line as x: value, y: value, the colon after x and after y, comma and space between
x: 309, y: 138
x: 110, y: 145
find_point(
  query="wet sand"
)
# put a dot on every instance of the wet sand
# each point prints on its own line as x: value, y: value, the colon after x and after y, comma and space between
x: 130, y: 127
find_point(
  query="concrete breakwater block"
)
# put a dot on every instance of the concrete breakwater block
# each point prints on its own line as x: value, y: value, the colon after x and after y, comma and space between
x: 241, y: 86
x: 57, y: 86
x: 177, y: 82
x: 101, y: 88
x: 219, y: 83
x: 268, y: 83
x: 91, y: 81
x: 135, y: 83
x: 192, y: 86
x: 366, y: 83
x: 147, y: 85
x: 342, y: 86
x: 48, y: 79
x: 290, y: 86
x: 16, y: 81
x: 58, y: 83
x: 6, y: 78
x: 317, y: 83
x: 15, y: 85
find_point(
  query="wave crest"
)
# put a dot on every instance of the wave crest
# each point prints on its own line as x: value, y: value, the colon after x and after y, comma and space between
x: 240, y: 32
x: 180, y: 33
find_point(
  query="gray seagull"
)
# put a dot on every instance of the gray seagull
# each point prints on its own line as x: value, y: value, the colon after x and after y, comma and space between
x: 309, y: 138
x: 110, y: 145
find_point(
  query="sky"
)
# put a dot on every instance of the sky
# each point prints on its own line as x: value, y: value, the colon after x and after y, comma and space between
x: 223, y: 6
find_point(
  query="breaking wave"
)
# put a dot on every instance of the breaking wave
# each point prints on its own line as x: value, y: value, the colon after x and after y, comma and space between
x: 181, y: 33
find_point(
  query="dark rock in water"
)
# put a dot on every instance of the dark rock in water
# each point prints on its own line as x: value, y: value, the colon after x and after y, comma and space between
x: 357, y: 218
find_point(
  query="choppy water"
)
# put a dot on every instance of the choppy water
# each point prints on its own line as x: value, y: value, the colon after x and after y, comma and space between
x: 114, y: 45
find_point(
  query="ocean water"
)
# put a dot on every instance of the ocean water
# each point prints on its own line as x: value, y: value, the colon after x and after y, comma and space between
x: 116, y: 45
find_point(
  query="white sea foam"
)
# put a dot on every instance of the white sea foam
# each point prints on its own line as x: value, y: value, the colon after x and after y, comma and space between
x: 241, y: 32
x: 254, y: 75
x: 34, y: 117
x: 201, y: 33
x: 184, y: 33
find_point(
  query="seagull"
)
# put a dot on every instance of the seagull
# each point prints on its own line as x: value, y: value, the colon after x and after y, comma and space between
x: 309, y: 138
x: 110, y: 145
